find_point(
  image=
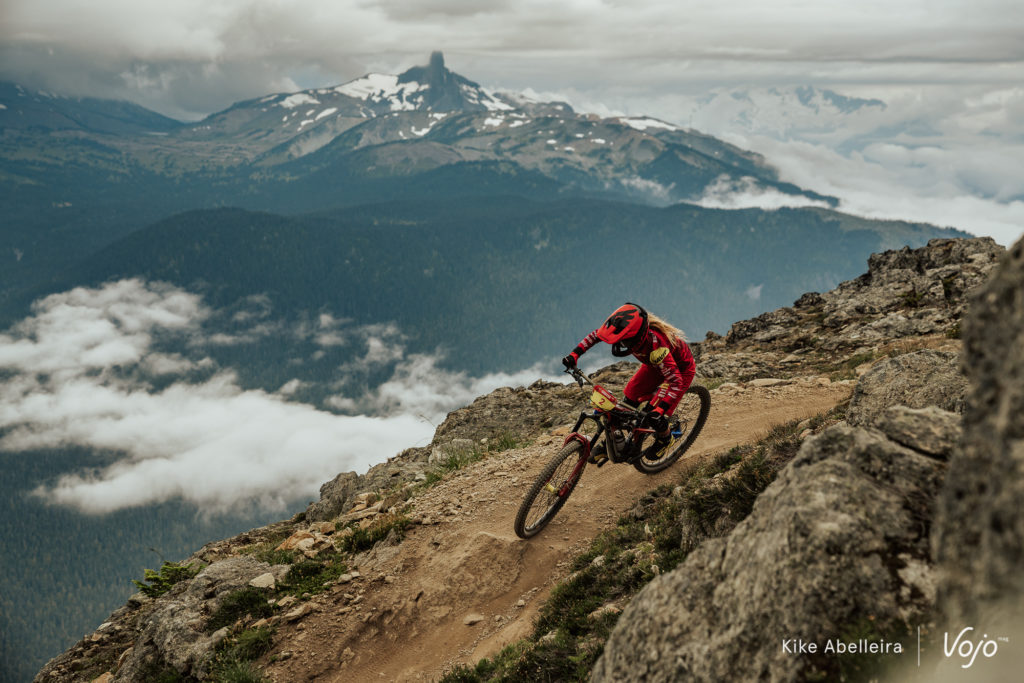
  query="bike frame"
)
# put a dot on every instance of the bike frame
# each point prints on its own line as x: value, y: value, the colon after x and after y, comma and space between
x: 605, y: 420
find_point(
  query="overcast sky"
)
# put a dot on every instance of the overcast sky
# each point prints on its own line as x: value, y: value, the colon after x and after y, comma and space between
x: 946, y: 146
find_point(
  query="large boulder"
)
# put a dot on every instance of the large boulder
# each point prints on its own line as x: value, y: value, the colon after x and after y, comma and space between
x: 838, y: 545
x: 980, y: 526
x: 916, y: 380
x: 174, y: 634
x: 933, y: 277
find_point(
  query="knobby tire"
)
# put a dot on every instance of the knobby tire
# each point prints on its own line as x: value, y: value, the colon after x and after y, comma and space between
x: 541, y: 504
x: 694, y: 415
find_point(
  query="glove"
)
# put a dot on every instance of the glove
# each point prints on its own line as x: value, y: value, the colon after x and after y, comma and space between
x: 570, y: 361
x: 657, y: 420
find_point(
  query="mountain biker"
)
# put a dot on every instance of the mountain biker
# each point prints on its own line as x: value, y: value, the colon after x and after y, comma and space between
x: 666, y: 371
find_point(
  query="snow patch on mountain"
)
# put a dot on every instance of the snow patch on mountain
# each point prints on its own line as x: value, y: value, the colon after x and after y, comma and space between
x: 298, y: 99
x: 380, y: 88
x: 643, y: 123
x: 486, y: 98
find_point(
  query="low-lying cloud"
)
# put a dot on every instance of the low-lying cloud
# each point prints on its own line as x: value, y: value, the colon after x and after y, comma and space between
x: 92, y: 368
x: 747, y: 192
x: 948, y: 156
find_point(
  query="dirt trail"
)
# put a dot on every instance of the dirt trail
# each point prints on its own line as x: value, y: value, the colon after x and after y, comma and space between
x: 406, y: 618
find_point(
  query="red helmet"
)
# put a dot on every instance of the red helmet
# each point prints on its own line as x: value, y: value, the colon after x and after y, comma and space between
x: 624, y: 329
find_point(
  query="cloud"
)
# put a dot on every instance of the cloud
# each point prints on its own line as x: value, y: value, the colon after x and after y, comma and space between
x: 80, y: 371
x: 419, y: 387
x: 179, y: 54
x: 746, y: 192
x: 651, y: 188
x: 952, y: 157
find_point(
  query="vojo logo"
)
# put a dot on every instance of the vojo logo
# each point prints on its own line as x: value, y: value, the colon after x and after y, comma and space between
x: 658, y: 355
x: 967, y: 649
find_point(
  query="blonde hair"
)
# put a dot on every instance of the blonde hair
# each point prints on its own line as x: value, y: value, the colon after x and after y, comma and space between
x: 672, y: 333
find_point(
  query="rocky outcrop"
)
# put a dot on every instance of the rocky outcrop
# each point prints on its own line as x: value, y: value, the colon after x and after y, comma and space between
x: 980, y: 530
x: 918, y: 379
x: 174, y: 634
x: 916, y: 295
x: 166, y: 634
x: 842, y: 543
x: 910, y: 291
x: 841, y: 531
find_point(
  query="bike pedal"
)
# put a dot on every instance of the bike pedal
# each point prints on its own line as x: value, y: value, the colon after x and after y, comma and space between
x: 601, y: 462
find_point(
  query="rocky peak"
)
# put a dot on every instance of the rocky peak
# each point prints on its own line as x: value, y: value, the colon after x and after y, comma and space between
x: 444, y: 90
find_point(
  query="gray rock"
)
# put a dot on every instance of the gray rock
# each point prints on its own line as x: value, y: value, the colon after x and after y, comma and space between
x: 764, y: 327
x: 335, y: 497
x: 934, y: 277
x: 930, y: 430
x: 174, y: 633
x: 836, y: 541
x: 916, y: 380
x: 980, y: 523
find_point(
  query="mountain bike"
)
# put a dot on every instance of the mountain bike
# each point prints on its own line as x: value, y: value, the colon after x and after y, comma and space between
x: 623, y: 433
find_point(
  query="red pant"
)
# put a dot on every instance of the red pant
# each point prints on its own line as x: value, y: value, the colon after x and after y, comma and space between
x: 645, y: 385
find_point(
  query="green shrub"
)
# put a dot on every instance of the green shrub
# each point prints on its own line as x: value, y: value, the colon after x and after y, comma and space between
x: 364, y: 539
x: 249, y: 644
x: 248, y: 601
x: 309, y: 576
x: 267, y: 550
x: 161, y: 582
x: 158, y: 671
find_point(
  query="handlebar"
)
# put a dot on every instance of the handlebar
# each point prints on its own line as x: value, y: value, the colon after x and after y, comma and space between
x: 580, y: 378
x: 578, y: 375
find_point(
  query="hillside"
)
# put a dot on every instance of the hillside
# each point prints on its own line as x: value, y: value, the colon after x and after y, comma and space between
x: 420, y: 551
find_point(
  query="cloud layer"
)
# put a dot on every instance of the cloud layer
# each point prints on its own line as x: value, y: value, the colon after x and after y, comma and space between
x: 91, y: 368
x: 178, y: 54
x: 927, y: 154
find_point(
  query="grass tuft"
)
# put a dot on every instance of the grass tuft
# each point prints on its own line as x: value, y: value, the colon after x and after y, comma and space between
x: 365, y: 538
x: 238, y: 604
x: 309, y: 576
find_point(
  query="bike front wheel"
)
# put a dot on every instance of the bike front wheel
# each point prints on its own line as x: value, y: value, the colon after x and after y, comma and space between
x: 688, y: 419
x: 550, y: 490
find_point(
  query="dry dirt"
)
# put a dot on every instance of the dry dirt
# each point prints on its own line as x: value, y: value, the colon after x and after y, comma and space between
x: 406, y: 618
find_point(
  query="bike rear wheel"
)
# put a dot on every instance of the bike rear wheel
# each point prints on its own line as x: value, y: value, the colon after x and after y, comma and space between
x: 689, y: 418
x: 550, y: 490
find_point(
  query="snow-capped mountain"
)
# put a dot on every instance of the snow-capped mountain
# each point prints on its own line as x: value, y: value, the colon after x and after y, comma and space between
x: 782, y: 113
x: 77, y: 173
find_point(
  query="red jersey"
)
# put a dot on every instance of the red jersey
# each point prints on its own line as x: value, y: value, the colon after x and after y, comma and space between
x: 665, y: 375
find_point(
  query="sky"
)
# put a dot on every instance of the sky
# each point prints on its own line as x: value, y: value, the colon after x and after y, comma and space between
x: 944, y: 145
